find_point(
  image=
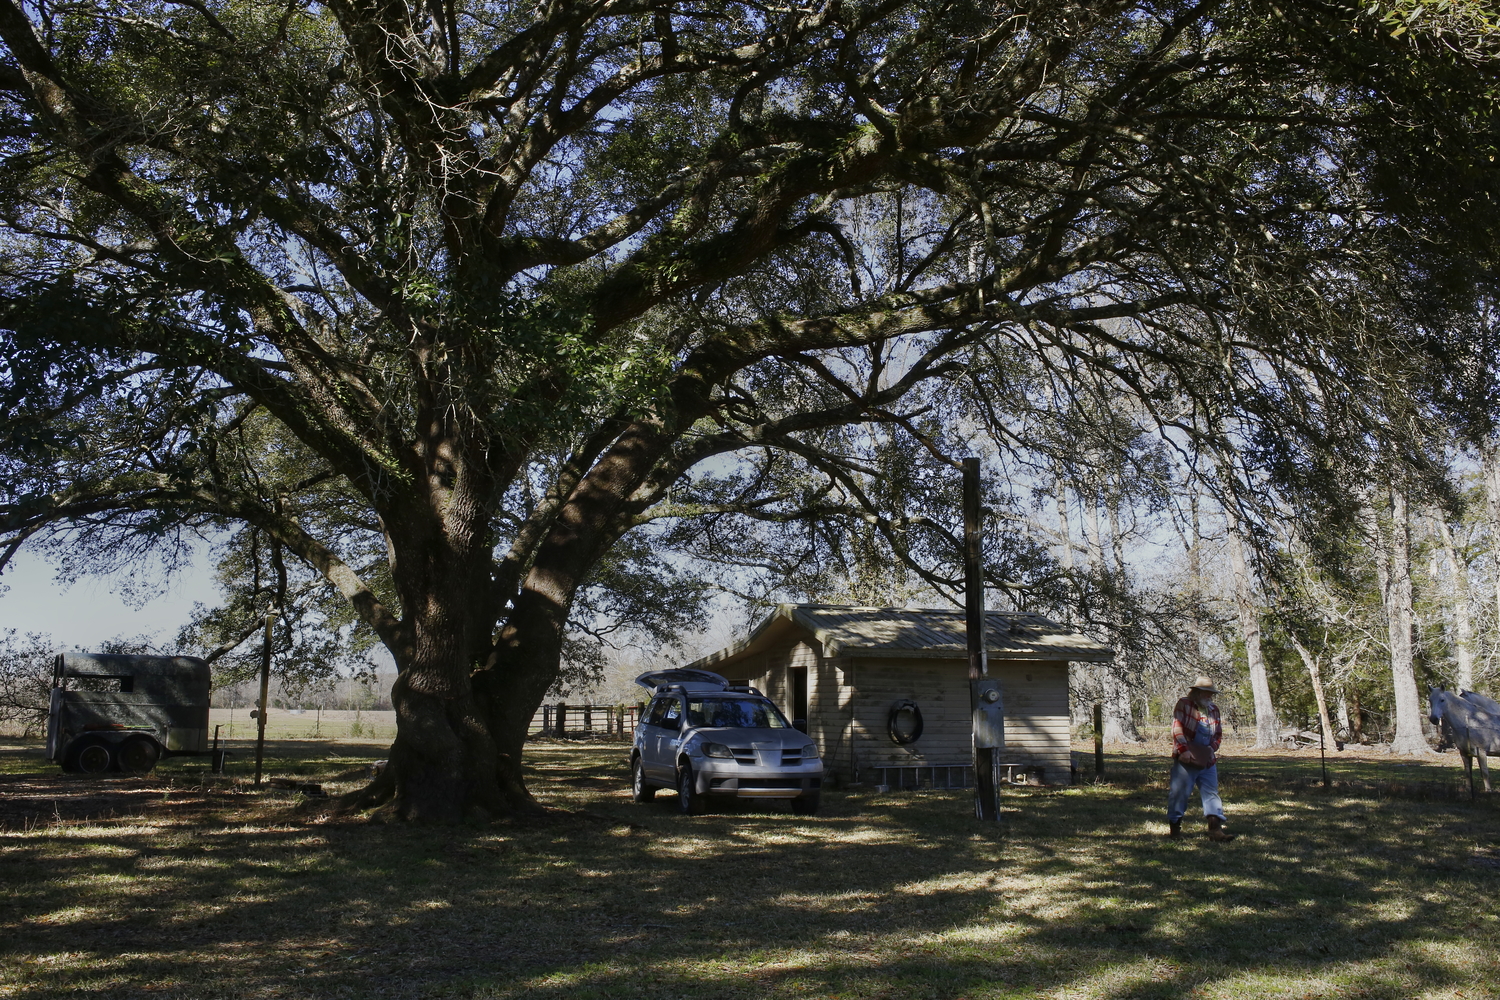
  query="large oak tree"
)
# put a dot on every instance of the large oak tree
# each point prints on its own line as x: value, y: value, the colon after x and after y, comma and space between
x: 444, y: 300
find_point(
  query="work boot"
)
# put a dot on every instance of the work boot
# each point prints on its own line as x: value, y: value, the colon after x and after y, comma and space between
x: 1174, y: 829
x: 1216, y: 829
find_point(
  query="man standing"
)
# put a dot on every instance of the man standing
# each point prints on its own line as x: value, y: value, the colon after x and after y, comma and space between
x: 1196, y: 733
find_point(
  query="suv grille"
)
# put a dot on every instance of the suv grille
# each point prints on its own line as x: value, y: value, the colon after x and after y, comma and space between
x: 770, y: 782
x: 747, y: 755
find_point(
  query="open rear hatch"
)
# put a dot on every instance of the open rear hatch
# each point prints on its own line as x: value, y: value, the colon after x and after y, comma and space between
x: 688, y: 680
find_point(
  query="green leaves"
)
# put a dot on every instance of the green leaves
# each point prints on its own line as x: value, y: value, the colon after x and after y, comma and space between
x: 488, y: 290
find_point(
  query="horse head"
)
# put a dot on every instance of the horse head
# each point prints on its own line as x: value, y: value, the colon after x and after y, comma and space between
x: 1435, y: 699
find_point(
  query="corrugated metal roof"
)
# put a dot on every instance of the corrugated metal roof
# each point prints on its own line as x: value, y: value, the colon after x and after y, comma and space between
x: 941, y: 631
x: 846, y: 630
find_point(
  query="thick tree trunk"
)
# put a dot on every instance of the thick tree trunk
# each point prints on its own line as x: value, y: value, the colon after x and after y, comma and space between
x: 1356, y: 712
x: 1119, y: 714
x: 1080, y: 684
x: 1393, y: 565
x: 1063, y: 527
x: 1267, y: 727
x: 462, y: 724
x: 464, y: 697
x: 1195, y: 575
x: 1463, y: 622
x: 445, y: 761
x: 1490, y: 465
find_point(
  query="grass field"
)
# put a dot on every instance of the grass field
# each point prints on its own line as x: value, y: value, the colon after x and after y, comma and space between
x: 308, y: 724
x: 1383, y: 887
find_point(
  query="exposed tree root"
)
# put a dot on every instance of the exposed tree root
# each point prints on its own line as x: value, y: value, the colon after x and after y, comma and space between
x: 378, y: 792
x: 1411, y: 747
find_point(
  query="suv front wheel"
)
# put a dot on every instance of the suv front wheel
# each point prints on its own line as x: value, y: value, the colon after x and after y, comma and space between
x: 689, y: 802
x: 807, y: 805
x: 640, y: 791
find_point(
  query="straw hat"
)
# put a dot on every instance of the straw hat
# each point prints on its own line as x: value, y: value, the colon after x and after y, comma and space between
x: 1203, y: 684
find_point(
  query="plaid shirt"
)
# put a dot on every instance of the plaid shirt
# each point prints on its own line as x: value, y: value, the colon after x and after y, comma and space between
x: 1187, y: 717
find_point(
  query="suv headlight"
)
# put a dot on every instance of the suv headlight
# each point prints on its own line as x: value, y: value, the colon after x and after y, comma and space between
x: 811, y: 750
x: 716, y: 750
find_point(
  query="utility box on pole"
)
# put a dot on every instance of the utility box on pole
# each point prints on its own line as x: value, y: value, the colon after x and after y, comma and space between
x: 989, y: 714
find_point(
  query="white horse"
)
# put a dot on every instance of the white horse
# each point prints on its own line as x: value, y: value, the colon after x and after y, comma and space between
x: 1489, y: 705
x: 1470, y: 722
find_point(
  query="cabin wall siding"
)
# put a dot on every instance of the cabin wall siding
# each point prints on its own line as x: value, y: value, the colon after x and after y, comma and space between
x: 1036, y: 714
x: 830, y: 711
x: 822, y: 704
x: 850, y: 698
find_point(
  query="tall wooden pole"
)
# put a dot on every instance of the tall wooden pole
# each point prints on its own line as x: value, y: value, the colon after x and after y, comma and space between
x: 265, y: 689
x: 986, y: 804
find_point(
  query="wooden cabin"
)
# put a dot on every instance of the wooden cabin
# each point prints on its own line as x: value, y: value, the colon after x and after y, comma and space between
x: 862, y: 677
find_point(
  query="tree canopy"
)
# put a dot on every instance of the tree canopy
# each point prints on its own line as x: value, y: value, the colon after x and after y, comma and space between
x: 471, y: 311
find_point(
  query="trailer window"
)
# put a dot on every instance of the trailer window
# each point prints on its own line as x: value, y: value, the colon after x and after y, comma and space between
x: 103, y: 683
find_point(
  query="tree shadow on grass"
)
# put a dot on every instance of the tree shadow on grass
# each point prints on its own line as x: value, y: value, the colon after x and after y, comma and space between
x: 894, y: 895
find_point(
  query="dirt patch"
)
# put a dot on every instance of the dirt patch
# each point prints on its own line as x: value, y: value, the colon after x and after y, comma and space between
x: 30, y: 801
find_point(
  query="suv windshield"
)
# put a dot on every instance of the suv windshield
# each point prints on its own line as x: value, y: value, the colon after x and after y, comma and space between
x: 734, y: 713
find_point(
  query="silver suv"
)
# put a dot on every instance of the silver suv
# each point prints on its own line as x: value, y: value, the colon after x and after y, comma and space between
x: 707, y: 739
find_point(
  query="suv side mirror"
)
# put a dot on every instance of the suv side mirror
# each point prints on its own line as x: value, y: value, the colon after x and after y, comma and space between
x: 800, y: 725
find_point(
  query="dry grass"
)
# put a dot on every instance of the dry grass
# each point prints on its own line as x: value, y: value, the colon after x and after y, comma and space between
x: 210, y: 891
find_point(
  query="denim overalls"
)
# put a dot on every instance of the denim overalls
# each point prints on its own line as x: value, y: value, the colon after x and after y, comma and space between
x: 1185, y: 777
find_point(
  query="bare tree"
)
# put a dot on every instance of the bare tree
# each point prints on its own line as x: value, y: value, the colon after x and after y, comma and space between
x: 1393, y: 566
x: 1267, y: 726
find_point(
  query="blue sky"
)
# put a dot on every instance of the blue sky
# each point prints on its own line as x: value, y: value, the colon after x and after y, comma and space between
x: 90, y: 611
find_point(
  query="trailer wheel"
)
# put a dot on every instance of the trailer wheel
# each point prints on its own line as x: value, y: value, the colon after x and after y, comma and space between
x: 91, y: 756
x: 138, y: 755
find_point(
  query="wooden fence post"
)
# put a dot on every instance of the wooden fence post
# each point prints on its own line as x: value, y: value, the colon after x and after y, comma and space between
x: 562, y: 719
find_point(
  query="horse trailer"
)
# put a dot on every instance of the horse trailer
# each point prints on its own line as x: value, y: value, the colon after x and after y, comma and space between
x: 112, y: 712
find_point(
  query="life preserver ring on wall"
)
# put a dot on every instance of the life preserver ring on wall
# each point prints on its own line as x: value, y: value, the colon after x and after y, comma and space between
x: 908, y: 729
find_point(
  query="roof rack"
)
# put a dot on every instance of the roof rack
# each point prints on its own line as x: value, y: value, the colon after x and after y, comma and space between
x: 701, y: 690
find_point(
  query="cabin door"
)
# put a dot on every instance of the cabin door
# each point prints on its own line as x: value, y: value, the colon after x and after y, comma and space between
x: 798, y: 706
